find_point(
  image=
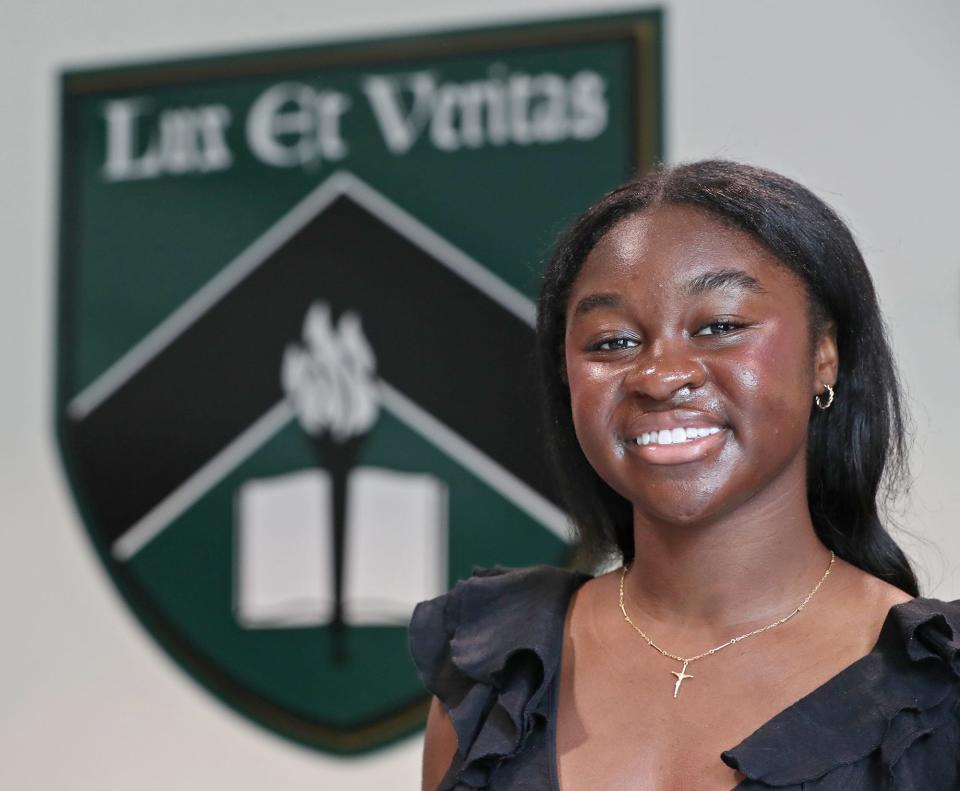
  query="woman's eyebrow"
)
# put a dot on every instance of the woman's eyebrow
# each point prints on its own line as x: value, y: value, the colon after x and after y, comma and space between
x: 719, y: 279
x: 714, y: 280
x: 594, y: 301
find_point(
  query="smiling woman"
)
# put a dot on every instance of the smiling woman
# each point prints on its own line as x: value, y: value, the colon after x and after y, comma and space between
x: 723, y: 414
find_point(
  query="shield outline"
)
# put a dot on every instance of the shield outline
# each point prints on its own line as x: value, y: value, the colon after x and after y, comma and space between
x: 642, y: 30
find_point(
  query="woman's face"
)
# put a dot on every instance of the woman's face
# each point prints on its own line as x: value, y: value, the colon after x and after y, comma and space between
x: 690, y: 367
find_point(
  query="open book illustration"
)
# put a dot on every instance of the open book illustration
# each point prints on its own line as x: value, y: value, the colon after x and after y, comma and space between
x: 395, y: 551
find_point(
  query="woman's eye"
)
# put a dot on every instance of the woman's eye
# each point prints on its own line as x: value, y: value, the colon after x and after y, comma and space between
x: 615, y: 344
x: 718, y: 328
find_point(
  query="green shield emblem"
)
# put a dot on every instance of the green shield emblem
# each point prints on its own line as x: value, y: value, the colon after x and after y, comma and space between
x: 295, y: 390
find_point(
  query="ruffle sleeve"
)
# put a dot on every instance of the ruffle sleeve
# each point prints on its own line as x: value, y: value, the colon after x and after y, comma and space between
x: 889, y: 721
x: 489, y: 650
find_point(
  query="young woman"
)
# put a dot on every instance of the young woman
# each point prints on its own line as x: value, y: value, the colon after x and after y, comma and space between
x: 722, y: 407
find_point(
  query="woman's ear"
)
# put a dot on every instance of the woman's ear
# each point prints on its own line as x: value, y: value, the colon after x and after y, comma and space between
x: 826, y: 359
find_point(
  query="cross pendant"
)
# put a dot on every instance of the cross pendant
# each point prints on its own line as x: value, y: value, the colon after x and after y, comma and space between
x: 681, y: 675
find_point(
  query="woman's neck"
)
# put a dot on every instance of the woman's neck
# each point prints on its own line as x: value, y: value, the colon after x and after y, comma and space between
x: 749, y: 566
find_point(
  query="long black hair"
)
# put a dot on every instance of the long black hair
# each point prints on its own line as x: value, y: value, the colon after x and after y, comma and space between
x: 853, y: 447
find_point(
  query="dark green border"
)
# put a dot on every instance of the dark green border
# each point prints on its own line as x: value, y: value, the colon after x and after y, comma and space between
x: 646, y: 30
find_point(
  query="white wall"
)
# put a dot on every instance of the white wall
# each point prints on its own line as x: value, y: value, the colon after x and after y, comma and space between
x: 858, y: 100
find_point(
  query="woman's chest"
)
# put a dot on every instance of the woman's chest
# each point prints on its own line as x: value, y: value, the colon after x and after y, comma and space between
x: 633, y: 743
x: 643, y: 726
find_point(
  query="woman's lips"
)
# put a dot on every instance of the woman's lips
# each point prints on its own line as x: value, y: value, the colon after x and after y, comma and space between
x: 674, y: 449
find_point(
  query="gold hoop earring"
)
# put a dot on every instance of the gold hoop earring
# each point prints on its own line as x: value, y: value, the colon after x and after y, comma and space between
x: 816, y: 398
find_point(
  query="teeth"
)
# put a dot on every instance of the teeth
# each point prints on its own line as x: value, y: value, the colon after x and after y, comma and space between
x: 675, y: 435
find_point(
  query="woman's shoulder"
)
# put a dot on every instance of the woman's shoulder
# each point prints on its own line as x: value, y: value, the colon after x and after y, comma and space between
x: 488, y: 616
x: 895, y: 712
x: 928, y: 630
x: 488, y: 650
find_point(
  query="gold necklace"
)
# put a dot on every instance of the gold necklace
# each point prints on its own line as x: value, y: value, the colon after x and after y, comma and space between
x: 682, y: 673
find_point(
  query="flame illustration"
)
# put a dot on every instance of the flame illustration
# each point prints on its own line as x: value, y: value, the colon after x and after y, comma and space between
x: 331, y: 378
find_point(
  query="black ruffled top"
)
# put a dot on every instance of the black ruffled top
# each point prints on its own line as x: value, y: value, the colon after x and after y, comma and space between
x: 490, y: 651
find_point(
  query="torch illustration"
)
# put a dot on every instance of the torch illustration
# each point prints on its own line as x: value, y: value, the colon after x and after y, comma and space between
x: 330, y: 379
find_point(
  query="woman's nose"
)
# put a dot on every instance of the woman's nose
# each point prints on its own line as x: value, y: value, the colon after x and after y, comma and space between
x: 665, y: 369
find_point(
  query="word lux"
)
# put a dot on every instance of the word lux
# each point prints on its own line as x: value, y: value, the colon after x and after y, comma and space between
x: 183, y: 140
x: 292, y: 124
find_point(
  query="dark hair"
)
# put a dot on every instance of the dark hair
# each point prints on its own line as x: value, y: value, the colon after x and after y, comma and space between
x: 852, y: 447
